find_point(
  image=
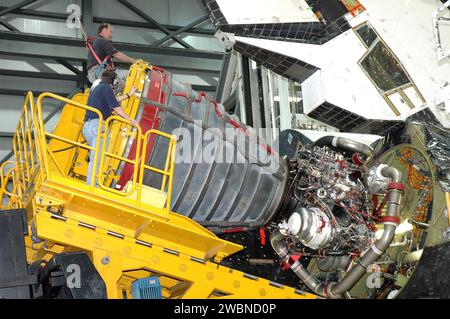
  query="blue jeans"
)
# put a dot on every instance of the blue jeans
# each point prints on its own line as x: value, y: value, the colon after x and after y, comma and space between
x: 90, y: 131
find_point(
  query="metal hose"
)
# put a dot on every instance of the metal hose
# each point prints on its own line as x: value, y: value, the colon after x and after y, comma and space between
x: 276, y: 240
x: 346, y: 144
x: 391, y: 221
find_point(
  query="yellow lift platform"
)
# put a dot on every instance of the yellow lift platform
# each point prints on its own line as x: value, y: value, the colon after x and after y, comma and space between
x: 128, y: 234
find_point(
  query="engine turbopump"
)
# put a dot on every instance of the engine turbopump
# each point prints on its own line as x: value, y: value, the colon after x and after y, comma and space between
x: 310, y: 226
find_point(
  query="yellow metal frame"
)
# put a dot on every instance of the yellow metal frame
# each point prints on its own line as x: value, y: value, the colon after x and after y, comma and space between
x: 26, y: 151
x: 45, y: 150
x: 116, y: 256
x: 126, y: 237
x: 134, y: 162
x: 7, y: 176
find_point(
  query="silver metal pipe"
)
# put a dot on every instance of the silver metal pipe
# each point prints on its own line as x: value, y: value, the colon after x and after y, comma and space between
x: 381, y: 245
x: 312, y: 282
x: 355, y: 146
x: 277, y: 240
x: 338, y: 290
x: 346, y: 144
x: 390, y: 172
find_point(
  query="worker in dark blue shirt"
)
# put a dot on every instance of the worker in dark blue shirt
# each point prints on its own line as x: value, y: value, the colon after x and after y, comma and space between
x: 102, y: 97
x: 104, y: 52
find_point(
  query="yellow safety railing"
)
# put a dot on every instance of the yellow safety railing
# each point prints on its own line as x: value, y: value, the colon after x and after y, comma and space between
x: 101, y: 152
x: 7, y: 176
x: 169, y: 168
x: 118, y: 157
x: 47, y: 152
x: 25, y: 147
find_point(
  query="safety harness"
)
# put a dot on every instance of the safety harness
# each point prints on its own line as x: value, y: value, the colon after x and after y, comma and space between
x: 103, y: 64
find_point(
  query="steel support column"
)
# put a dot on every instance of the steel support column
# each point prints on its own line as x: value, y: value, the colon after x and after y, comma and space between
x: 285, y: 106
x: 247, y: 108
x: 227, y: 75
x: 267, y: 105
x: 87, y: 17
x: 255, y: 96
x: 240, y: 101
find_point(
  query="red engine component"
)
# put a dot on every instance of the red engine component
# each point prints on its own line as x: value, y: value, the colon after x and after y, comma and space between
x: 148, y: 119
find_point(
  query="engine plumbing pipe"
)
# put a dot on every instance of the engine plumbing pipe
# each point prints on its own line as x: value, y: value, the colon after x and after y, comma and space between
x: 346, y: 144
x: 391, y: 220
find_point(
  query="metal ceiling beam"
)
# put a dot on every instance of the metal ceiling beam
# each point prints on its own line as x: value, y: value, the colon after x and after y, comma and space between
x: 81, y: 74
x: 14, y: 92
x: 9, y: 26
x: 146, y: 25
x: 191, y: 71
x: 125, y: 23
x: 7, y: 157
x: 181, y: 30
x: 6, y: 134
x: 38, y: 13
x: 129, y: 47
x: 195, y: 66
x: 41, y: 47
x: 147, y: 18
x: 70, y: 67
x: 40, y: 51
x: 7, y: 10
x: 39, y: 75
x: 15, y: 7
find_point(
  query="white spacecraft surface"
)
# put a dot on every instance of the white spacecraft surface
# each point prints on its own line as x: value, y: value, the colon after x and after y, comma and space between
x: 371, y: 61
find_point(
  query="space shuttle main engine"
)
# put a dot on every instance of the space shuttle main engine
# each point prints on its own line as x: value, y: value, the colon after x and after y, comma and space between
x: 218, y: 180
x: 333, y: 220
x: 320, y: 203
